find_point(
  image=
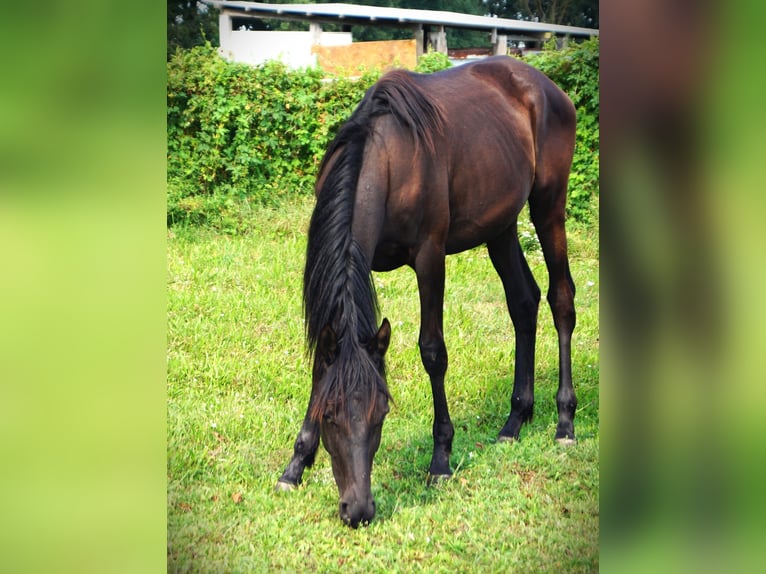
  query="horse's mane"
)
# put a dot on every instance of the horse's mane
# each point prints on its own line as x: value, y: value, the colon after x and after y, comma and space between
x: 397, y: 93
x: 337, y: 285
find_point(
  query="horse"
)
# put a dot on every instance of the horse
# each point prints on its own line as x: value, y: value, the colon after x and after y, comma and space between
x: 428, y: 166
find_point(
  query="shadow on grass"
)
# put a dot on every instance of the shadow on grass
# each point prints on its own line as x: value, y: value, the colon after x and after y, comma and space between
x: 400, y: 474
x: 401, y: 471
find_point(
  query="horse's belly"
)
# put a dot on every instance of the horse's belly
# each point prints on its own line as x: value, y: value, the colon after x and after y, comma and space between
x: 480, y: 213
x: 390, y: 256
x: 466, y: 234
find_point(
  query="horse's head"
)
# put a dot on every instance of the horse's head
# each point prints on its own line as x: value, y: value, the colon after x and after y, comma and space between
x: 350, y: 406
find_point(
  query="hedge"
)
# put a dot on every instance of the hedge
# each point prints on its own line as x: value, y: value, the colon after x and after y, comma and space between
x: 240, y: 136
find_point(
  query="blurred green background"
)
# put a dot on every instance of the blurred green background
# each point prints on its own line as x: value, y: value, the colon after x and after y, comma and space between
x: 82, y: 273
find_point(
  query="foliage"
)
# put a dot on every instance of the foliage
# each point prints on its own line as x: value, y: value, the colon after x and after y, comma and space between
x: 190, y: 23
x: 432, y: 61
x: 582, y: 13
x: 575, y: 70
x: 241, y: 136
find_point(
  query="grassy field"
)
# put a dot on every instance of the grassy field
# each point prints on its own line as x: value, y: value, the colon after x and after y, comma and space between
x: 238, y: 384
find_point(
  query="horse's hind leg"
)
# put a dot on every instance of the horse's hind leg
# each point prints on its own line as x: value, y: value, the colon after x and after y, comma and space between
x: 547, y: 208
x: 523, y: 297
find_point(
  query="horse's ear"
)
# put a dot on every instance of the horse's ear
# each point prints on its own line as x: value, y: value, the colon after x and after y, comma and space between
x: 379, y: 343
x: 327, y: 346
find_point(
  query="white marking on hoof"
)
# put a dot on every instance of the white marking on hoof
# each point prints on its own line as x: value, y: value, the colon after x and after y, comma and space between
x: 284, y: 486
x: 566, y: 441
x: 436, y: 479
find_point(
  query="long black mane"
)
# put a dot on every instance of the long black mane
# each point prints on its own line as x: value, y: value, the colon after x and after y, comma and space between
x: 337, y: 287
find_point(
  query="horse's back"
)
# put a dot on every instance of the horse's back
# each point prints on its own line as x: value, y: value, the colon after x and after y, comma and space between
x: 497, y: 117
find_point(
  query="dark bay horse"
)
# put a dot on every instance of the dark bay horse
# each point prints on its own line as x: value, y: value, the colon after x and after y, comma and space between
x: 427, y: 166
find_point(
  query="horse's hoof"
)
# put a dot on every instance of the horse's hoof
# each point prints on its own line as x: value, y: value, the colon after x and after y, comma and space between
x: 506, y: 439
x: 435, y: 479
x: 285, y: 486
x: 566, y: 441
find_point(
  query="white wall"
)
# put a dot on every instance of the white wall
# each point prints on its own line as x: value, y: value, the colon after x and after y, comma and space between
x: 292, y: 48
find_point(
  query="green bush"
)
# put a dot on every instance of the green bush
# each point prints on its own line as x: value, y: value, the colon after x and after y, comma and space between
x: 240, y: 136
x: 432, y: 61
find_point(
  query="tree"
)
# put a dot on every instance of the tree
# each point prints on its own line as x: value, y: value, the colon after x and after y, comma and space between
x: 190, y: 23
x: 582, y: 13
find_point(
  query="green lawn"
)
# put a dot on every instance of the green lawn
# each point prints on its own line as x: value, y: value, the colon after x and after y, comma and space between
x: 238, y: 384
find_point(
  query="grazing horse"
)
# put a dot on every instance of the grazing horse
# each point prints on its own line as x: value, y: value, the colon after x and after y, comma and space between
x: 427, y: 166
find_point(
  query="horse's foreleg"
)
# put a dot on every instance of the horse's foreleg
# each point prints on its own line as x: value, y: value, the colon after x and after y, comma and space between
x: 429, y: 266
x: 304, y: 451
x: 522, y: 296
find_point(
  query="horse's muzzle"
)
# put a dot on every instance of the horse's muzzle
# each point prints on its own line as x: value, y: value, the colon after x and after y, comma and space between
x: 354, y: 511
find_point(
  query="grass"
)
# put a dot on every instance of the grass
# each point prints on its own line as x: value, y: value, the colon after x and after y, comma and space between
x: 238, y: 384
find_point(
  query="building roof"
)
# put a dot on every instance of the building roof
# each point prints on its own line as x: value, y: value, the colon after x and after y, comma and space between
x: 353, y: 14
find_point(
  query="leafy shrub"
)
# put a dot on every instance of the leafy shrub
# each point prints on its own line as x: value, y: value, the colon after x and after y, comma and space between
x: 240, y: 136
x: 432, y: 61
